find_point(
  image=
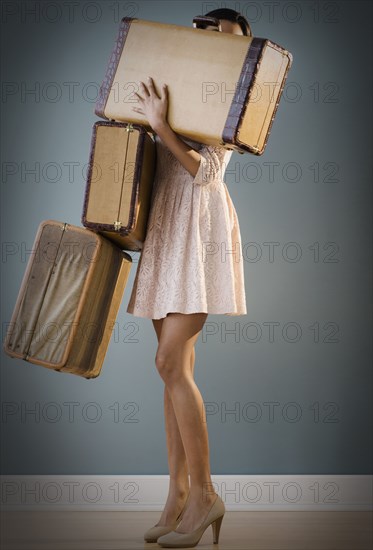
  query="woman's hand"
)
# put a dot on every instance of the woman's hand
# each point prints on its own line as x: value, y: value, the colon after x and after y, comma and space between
x: 155, y: 110
x: 151, y: 105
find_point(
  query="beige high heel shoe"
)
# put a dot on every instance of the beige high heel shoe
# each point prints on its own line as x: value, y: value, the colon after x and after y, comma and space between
x: 157, y: 531
x: 188, y: 540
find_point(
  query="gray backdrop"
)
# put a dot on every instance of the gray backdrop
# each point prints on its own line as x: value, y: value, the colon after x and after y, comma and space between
x: 288, y: 386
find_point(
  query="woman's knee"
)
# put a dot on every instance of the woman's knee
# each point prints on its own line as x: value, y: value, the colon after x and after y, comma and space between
x: 174, y: 357
x: 169, y: 365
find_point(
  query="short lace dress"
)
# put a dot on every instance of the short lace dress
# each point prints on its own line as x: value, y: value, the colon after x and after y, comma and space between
x: 192, y: 259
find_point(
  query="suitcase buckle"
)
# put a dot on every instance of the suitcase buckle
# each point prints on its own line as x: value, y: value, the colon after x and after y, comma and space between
x: 117, y: 225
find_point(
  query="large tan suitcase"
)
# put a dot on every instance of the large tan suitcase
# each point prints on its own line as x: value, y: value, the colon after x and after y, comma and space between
x: 224, y: 89
x: 68, y: 301
x: 120, y: 183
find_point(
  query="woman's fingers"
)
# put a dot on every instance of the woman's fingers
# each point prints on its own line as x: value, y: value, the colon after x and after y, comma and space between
x: 164, y: 90
x: 151, y: 83
x: 153, y: 106
x: 149, y: 89
x: 144, y: 88
x: 152, y: 88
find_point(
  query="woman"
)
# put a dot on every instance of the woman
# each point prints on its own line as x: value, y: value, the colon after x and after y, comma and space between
x: 182, y: 276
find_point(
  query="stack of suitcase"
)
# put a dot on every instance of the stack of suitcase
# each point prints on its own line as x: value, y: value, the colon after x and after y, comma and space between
x: 74, y: 281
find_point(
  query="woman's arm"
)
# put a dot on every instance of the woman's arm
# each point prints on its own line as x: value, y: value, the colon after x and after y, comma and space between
x: 185, y: 154
x: 155, y: 110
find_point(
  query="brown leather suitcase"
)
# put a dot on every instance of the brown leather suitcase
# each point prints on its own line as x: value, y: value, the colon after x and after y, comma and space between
x: 224, y: 89
x: 120, y: 183
x: 68, y: 301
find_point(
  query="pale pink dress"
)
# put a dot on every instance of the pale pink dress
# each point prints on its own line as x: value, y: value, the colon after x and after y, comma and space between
x: 191, y: 260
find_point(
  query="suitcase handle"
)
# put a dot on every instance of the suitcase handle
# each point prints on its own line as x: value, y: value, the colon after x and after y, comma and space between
x: 203, y: 21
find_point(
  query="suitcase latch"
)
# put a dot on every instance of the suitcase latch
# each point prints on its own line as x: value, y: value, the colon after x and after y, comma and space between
x: 129, y: 127
x: 117, y: 225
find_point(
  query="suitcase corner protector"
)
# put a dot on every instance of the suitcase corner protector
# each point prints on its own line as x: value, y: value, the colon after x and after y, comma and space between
x: 100, y: 111
x: 127, y: 256
x: 6, y: 348
x: 128, y: 19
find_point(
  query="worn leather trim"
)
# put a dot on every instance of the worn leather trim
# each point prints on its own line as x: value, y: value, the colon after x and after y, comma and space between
x: 112, y: 67
x: 136, y: 179
x: 243, y: 90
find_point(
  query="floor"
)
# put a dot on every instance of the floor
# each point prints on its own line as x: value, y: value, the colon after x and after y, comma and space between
x: 301, y: 530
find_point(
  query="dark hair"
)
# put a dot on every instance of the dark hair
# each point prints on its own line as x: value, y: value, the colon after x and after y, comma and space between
x: 234, y: 17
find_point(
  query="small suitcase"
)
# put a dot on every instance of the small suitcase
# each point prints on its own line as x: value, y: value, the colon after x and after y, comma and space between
x: 120, y: 183
x: 68, y: 301
x: 224, y: 89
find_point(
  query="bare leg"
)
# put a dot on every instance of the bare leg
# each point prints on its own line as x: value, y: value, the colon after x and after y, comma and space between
x: 177, y: 338
x: 179, y: 483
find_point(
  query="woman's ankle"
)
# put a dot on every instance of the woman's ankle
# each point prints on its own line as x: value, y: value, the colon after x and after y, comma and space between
x: 179, y: 489
x: 205, y: 493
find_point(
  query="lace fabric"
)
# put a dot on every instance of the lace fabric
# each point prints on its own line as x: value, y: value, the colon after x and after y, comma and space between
x: 191, y: 260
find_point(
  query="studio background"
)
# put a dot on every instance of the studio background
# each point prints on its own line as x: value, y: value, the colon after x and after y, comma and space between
x: 288, y: 386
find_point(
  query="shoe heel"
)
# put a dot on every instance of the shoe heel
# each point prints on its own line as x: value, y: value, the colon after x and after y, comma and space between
x: 216, y: 529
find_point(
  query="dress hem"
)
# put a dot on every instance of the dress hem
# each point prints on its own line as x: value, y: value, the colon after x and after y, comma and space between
x: 162, y: 316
